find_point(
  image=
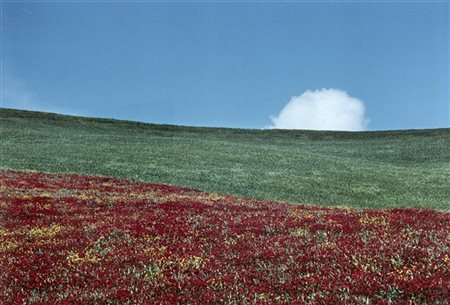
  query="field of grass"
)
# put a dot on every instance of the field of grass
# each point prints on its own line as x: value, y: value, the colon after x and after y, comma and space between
x: 385, y: 169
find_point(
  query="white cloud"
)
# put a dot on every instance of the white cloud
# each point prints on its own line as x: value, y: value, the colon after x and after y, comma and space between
x: 325, y: 109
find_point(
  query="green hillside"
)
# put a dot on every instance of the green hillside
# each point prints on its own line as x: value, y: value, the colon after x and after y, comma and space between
x: 364, y: 169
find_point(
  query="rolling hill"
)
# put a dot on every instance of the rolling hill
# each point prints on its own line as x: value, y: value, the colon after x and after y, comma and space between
x: 383, y: 169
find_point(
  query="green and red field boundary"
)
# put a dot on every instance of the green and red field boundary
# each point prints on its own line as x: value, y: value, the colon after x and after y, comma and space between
x: 375, y: 170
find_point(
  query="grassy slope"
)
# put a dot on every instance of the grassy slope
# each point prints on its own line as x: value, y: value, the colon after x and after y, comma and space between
x: 367, y: 169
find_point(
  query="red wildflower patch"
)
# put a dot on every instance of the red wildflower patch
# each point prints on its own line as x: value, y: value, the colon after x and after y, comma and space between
x: 71, y: 239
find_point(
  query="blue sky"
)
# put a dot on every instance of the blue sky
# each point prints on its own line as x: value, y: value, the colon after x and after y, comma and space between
x: 227, y: 64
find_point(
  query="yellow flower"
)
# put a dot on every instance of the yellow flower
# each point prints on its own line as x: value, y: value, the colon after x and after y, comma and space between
x: 45, y: 232
x: 373, y: 220
x: 299, y: 232
x: 90, y: 256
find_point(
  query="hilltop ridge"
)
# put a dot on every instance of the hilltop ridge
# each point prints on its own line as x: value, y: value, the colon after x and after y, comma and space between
x: 374, y: 169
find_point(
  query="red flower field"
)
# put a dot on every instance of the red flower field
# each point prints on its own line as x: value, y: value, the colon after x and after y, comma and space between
x: 71, y: 239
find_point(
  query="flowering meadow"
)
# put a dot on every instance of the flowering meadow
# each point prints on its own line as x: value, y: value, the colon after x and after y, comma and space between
x: 73, y: 239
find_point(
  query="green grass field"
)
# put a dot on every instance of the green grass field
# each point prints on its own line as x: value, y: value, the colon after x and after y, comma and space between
x: 386, y: 169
